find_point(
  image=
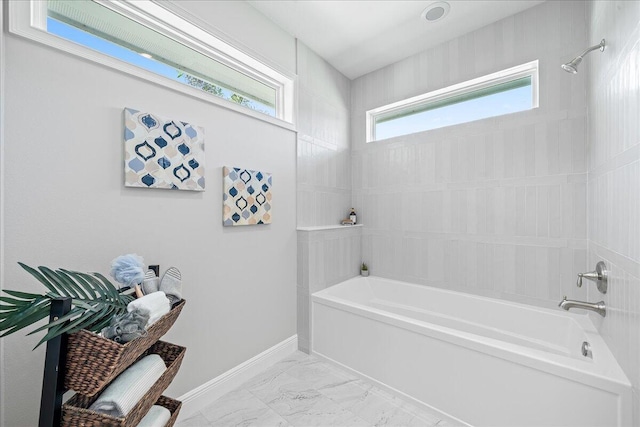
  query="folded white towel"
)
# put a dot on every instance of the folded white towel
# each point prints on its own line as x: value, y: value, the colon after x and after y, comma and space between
x: 125, y: 391
x: 156, y: 304
x: 158, y: 416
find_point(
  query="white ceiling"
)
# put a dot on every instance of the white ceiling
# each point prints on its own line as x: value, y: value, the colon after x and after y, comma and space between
x: 360, y: 36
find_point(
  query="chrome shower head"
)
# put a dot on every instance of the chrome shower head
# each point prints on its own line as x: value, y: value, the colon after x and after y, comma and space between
x: 572, y: 66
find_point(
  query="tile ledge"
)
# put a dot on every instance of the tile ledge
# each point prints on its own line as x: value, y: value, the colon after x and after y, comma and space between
x: 328, y: 227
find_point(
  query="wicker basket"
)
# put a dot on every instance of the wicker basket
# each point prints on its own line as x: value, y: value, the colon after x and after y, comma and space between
x: 173, y: 406
x: 94, y: 361
x: 75, y: 412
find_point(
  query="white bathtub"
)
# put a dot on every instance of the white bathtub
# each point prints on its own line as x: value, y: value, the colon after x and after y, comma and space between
x: 476, y: 360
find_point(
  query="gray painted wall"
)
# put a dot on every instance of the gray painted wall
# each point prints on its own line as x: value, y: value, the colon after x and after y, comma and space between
x: 2, y: 94
x: 614, y: 177
x: 65, y: 205
x: 494, y: 207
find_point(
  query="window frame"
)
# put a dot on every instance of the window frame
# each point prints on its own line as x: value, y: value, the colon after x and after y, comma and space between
x: 530, y: 69
x: 29, y: 19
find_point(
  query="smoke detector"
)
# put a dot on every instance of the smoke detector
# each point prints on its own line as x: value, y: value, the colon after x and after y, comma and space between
x: 435, y: 11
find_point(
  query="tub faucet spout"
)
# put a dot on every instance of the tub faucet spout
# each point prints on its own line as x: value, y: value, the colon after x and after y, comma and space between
x: 598, y: 307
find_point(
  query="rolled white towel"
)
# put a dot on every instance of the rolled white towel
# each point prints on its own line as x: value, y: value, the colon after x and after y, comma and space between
x: 156, y: 304
x: 158, y: 416
x: 129, y: 387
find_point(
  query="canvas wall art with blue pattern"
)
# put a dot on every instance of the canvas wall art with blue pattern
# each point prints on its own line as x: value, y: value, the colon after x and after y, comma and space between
x: 162, y: 153
x: 246, y: 197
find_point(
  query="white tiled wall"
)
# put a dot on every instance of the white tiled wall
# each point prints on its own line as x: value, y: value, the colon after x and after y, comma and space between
x: 614, y: 176
x: 325, y: 257
x: 495, y: 207
x: 324, y: 177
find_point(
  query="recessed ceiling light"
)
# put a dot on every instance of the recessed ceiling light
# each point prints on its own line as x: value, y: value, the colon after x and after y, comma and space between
x: 147, y: 55
x: 435, y: 11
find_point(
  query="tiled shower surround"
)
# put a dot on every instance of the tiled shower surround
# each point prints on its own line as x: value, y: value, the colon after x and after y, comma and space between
x: 324, y: 172
x: 510, y: 207
x: 325, y: 257
x: 494, y: 207
x: 614, y: 177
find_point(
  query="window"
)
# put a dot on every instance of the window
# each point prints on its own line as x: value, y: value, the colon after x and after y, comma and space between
x: 504, y: 92
x: 144, y: 35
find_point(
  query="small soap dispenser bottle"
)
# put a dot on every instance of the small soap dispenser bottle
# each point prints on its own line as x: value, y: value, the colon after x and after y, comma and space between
x: 352, y: 216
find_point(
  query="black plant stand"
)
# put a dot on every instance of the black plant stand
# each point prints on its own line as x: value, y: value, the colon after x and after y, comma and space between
x: 54, y: 366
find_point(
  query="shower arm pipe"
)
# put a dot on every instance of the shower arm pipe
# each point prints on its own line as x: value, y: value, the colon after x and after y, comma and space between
x: 592, y: 48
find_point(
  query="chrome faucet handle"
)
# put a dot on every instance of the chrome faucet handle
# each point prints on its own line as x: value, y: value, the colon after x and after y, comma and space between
x: 599, y: 276
x: 592, y: 275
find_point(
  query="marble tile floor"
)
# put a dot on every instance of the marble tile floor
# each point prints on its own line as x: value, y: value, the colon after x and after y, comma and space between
x: 302, y: 391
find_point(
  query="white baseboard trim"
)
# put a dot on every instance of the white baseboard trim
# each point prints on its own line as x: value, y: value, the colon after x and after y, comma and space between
x: 201, y: 396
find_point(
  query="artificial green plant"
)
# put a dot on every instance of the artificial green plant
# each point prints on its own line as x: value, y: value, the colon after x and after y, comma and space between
x: 94, y: 302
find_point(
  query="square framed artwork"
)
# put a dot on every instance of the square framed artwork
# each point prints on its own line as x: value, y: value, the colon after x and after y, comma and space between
x: 246, y: 197
x: 162, y: 153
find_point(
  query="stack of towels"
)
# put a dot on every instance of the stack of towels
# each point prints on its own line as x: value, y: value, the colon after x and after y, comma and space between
x: 158, y: 416
x: 155, y: 305
x: 119, y: 398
